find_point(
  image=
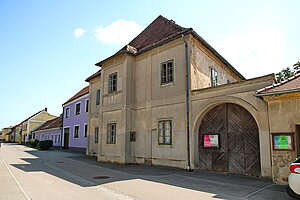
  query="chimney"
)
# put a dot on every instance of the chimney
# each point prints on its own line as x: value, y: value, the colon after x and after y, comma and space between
x: 45, y: 109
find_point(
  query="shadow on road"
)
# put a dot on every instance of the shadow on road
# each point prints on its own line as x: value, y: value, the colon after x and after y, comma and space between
x: 87, y: 172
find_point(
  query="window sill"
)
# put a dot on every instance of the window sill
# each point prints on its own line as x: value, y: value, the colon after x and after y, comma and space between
x: 112, y: 93
x: 162, y: 85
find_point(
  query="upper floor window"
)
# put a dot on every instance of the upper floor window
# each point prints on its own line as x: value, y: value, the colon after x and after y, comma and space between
x: 87, y: 105
x: 165, y: 132
x: 76, y: 131
x: 98, y: 97
x: 111, y: 133
x: 112, y: 83
x: 67, y: 114
x: 167, y: 72
x: 96, y: 134
x: 214, y: 77
x: 77, y: 109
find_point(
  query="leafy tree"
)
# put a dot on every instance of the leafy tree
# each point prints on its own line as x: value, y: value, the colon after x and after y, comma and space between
x: 288, y: 72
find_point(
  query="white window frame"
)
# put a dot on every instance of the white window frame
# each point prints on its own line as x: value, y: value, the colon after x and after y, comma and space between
x: 214, y: 77
x: 85, y: 130
x: 78, y: 131
x: 86, y: 107
x: 79, y: 108
x: 67, y: 114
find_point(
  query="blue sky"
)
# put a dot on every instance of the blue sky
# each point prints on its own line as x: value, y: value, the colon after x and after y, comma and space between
x: 48, y: 48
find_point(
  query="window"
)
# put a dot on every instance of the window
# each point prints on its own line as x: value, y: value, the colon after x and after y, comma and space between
x: 112, y: 84
x: 165, y: 132
x: 67, y: 114
x: 98, y: 97
x: 87, y: 105
x: 96, y: 134
x: 58, y: 139
x: 76, y: 131
x: 77, y: 109
x: 111, y: 133
x: 167, y: 72
x: 214, y: 77
x: 55, y: 138
x: 85, y: 130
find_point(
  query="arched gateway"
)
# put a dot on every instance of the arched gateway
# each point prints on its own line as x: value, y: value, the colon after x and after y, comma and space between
x: 229, y: 141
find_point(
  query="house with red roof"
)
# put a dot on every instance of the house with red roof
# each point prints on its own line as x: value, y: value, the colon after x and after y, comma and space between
x: 283, y: 101
x: 50, y: 130
x: 75, y: 121
x: 169, y: 98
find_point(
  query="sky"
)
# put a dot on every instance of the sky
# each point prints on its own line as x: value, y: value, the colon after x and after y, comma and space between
x: 49, y: 47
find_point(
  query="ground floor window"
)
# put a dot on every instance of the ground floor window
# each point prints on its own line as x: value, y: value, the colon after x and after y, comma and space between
x: 76, y: 131
x: 96, y: 134
x: 165, y: 132
x: 111, y: 133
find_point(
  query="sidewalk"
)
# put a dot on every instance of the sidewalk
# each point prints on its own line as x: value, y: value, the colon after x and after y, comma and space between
x: 9, y: 188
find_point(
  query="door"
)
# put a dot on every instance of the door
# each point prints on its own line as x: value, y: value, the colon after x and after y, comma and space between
x: 66, y: 137
x: 238, y: 150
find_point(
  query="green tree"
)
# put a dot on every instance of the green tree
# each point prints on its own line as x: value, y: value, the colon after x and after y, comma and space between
x: 288, y: 72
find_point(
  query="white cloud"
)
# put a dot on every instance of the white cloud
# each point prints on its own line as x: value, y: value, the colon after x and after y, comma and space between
x: 78, y: 32
x: 255, y: 53
x: 120, y: 32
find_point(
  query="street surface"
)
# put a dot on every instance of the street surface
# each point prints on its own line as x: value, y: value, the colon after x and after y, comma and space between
x: 26, y: 173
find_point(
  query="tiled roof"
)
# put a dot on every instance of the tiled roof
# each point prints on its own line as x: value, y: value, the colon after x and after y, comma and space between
x: 290, y: 85
x: 53, y: 123
x: 78, y: 94
x: 98, y: 73
x: 159, y: 31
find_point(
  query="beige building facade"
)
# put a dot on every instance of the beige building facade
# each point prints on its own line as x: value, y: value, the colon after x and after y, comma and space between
x: 168, y: 98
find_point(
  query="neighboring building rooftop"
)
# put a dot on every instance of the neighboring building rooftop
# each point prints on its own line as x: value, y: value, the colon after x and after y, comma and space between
x: 290, y: 85
x: 98, y: 73
x: 78, y: 94
x: 159, y: 32
x: 53, y: 123
x: 34, y: 115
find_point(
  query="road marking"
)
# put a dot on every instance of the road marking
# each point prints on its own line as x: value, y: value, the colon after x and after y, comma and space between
x: 257, y: 191
x: 15, y: 179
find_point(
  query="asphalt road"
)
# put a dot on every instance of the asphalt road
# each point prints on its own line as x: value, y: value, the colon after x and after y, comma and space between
x: 26, y: 173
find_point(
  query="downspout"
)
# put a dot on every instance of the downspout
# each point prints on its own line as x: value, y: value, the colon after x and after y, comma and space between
x: 62, y: 127
x: 187, y: 104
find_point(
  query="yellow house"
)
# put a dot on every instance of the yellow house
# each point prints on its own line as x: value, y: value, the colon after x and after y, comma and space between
x: 6, y: 134
x: 32, y: 122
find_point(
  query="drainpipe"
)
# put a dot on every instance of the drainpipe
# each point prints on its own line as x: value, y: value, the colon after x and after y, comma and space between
x: 62, y: 127
x: 187, y: 104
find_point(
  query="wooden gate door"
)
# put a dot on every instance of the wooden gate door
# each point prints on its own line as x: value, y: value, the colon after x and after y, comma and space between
x: 238, y: 150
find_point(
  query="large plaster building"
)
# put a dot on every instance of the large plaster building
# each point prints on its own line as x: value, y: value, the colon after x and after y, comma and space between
x: 168, y: 98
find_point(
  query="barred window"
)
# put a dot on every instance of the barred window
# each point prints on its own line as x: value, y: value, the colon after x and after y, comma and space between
x: 167, y: 72
x: 214, y: 77
x: 165, y: 132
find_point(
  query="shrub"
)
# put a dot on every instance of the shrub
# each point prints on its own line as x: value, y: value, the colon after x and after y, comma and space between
x: 45, y: 144
x: 33, y: 142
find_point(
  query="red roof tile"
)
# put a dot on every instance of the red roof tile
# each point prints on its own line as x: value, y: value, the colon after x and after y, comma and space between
x: 160, y: 30
x: 289, y: 85
x: 53, y: 123
x: 78, y: 94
